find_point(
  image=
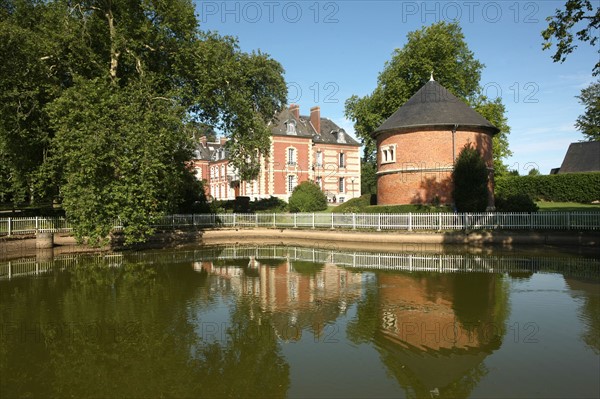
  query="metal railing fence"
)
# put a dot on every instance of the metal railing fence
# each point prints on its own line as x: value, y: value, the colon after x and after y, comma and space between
x: 581, y: 221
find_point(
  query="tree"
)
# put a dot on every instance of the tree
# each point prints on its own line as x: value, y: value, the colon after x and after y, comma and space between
x: 121, y: 154
x: 533, y: 172
x: 368, y: 178
x: 153, y: 78
x: 440, y: 48
x: 589, y: 122
x: 577, y: 15
x: 307, y: 197
x: 470, y: 179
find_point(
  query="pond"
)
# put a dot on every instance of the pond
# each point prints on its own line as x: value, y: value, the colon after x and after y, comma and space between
x: 300, y: 322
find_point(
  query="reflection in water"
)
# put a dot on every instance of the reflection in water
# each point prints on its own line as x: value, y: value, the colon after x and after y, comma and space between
x: 589, y: 292
x: 214, y: 322
x: 433, y: 332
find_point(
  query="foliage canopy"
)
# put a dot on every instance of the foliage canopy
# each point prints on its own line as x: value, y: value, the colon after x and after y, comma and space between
x: 576, y: 20
x: 589, y: 122
x: 101, y: 98
x: 440, y: 48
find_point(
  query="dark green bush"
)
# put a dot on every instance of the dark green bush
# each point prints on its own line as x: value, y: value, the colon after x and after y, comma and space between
x: 272, y: 204
x: 470, y: 177
x: 516, y: 203
x: 307, y: 197
x: 569, y: 187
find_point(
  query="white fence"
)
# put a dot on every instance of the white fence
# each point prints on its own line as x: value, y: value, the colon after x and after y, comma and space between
x: 436, y: 262
x: 351, y: 221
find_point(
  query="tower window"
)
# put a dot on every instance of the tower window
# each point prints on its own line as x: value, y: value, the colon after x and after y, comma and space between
x: 388, y: 154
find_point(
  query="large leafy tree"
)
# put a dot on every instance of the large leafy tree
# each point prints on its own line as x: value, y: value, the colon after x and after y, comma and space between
x: 440, y: 48
x: 577, y: 21
x: 99, y: 96
x: 589, y: 122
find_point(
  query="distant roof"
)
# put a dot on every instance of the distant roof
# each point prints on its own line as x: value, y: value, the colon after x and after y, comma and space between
x: 210, y: 151
x: 433, y: 105
x: 330, y: 132
x: 582, y: 157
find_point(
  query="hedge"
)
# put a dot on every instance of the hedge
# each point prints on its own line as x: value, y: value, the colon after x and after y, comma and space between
x: 569, y: 187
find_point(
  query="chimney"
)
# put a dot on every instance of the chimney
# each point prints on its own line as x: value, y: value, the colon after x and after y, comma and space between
x: 223, y: 140
x: 315, y: 118
x: 295, y: 110
x: 203, y: 141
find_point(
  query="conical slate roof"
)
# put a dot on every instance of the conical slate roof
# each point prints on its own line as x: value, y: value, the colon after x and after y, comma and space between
x: 434, y: 106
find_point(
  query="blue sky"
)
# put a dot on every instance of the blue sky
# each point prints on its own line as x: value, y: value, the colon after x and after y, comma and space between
x: 333, y: 49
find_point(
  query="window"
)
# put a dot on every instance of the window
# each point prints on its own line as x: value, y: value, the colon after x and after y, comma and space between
x: 319, y: 159
x: 291, y: 156
x: 341, y: 185
x: 341, y: 137
x: 342, y: 160
x: 388, y: 154
x: 320, y: 182
x: 223, y: 171
x: 291, y: 127
x: 291, y: 183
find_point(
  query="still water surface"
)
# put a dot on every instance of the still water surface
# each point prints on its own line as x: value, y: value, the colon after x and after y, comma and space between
x: 300, y: 322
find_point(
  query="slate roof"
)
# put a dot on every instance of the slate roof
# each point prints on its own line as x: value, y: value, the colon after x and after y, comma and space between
x: 582, y: 157
x: 210, y: 151
x: 329, y: 134
x: 434, y: 106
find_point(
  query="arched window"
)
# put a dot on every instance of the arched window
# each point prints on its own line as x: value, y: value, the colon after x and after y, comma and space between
x: 388, y: 153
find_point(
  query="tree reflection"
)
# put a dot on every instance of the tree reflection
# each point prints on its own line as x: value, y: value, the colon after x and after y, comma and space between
x: 589, y: 290
x: 101, y: 331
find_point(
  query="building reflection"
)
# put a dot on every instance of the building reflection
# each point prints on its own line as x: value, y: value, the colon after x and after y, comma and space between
x: 433, y: 332
x: 297, y: 295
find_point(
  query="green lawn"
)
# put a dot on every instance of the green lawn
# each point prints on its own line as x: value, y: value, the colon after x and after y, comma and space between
x: 567, y: 207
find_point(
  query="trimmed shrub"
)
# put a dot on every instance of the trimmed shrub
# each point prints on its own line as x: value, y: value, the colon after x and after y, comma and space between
x: 354, y: 205
x: 569, y: 187
x: 307, y: 197
x: 516, y: 203
x: 470, y: 177
x: 272, y: 204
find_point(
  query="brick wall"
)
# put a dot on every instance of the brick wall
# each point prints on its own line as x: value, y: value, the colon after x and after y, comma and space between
x: 421, y: 170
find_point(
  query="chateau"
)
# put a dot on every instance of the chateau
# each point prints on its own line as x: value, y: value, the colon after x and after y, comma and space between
x: 302, y: 148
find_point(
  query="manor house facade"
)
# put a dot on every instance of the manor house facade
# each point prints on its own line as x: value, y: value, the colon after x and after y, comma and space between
x: 302, y: 148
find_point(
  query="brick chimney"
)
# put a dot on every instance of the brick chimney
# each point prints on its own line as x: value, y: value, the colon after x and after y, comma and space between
x: 223, y: 140
x: 315, y: 118
x: 295, y: 110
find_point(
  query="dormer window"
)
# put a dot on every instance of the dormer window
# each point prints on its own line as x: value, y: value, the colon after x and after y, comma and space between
x: 388, y: 154
x: 341, y: 137
x: 291, y: 127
